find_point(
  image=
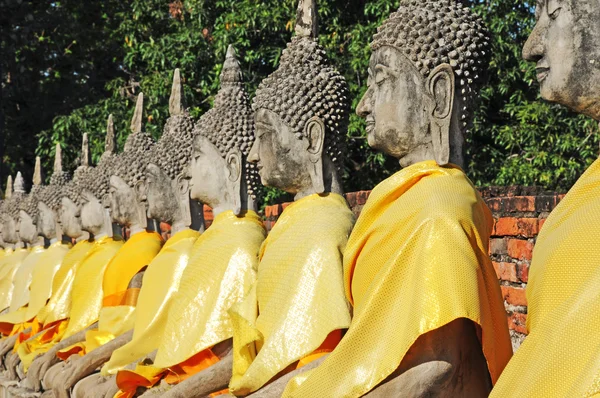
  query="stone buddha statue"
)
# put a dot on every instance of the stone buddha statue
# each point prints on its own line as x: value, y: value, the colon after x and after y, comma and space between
x: 166, y: 186
x: 120, y: 282
x: 428, y: 318
x: 82, y: 209
x: 297, y: 311
x: 196, y: 334
x: 558, y: 358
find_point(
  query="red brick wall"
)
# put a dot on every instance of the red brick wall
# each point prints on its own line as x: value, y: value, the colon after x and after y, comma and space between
x: 519, y: 213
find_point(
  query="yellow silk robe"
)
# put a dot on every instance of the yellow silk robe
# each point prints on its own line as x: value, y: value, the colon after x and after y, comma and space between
x: 56, y: 311
x: 298, y: 299
x: 561, y: 355
x: 416, y: 261
x: 116, y: 315
x: 161, y: 281
x: 11, y: 262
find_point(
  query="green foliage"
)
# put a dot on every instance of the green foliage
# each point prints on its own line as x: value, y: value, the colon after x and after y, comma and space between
x: 72, y: 63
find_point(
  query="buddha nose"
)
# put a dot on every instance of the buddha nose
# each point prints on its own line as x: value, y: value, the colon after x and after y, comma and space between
x: 253, y: 155
x: 534, y: 48
x: 364, y: 108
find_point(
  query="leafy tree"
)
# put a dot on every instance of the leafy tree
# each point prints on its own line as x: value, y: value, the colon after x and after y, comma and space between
x: 107, y: 52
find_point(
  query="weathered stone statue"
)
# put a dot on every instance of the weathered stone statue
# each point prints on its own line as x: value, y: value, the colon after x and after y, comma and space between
x: 297, y: 311
x: 222, y: 267
x: 558, y: 358
x: 429, y: 318
x: 119, y: 289
x: 166, y: 186
x: 83, y: 200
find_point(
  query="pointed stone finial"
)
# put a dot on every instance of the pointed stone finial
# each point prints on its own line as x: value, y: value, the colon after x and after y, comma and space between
x: 176, y: 100
x: 136, y: 122
x: 86, y: 156
x: 307, y: 23
x: 37, y: 172
x: 231, y: 73
x: 9, y: 188
x: 19, y: 184
x: 58, y: 160
x: 110, y: 145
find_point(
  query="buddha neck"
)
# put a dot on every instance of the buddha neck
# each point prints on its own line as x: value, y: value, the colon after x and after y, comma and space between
x: 84, y: 236
x: 136, y: 229
x: 331, y: 180
x: 39, y: 242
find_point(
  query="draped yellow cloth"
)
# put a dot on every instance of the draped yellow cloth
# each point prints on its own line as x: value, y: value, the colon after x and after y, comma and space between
x: 11, y: 262
x: 116, y: 315
x: 561, y: 355
x: 43, y: 277
x: 23, y: 276
x: 161, y: 281
x: 59, y: 305
x: 416, y: 260
x: 298, y: 299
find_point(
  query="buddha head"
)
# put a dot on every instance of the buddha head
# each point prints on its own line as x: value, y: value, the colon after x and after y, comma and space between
x: 565, y: 45
x: 221, y: 177
x: 428, y: 61
x: 84, y: 206
x: 10, y: 233
x: 127, y: 198
x: 50, y: 198
x: 166, y: 182
x: 301, y: 115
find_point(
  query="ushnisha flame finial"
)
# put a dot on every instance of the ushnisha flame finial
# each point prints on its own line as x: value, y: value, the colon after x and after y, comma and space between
x: 110, y: 145
x: 232, y: 72
x: 86, y: 157
x: 307, y: 22
x: 176, y: 106
x: 9, y: 188
x: 58, y: 159
x: 136, y: 122
x: 37, y: 173
x: 19, y: 184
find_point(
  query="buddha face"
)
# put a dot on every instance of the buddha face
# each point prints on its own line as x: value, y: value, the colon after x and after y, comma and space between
x: 46, y: 221
x: 70, y: 218
x: 10, y: 231
x: 209, y: 174
x: 28, y: 231
x: 92, y: 214
x: 281, y: 156
x: 396, y: 105
x: 163, y: 203
x: 565, y: 45
x: 124, y: 205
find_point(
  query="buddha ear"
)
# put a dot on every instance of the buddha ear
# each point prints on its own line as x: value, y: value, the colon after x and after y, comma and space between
x: 440, y: 85
x: 234, y: 177
x: 182, y: 185
x: 141, y: 193
x: 314, y: 131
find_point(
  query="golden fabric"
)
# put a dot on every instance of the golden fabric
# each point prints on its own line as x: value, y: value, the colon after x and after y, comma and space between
x: 298, y: 299
x: 115, y: 320
x: 221, y: 270
x: 86, y: 298
x: 10, y: 263
x: 43, y: 277
x: 59, y: 305
x: 561, y: 355
x: 161, y: 281
x: 23, y: 262
x: 29, y: 349
x: 416, y: 260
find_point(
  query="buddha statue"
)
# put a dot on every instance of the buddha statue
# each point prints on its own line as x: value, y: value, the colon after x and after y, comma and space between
x: 166, y: 186
x: 296, y: 312
x: 83, y: 208
x: 120, y: 283
x: 428, y: 318
x: 196, y: 329
x: 558, y: 358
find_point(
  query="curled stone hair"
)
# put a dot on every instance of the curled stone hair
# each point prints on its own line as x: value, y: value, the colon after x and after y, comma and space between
x: 230, y: 122
x: 131, y: 164
x: 52, y: 194
x: 29, y: 204
x: 12, y: 204
x: 435, y: 32
x: 306, y: 85
x: 173, y: 151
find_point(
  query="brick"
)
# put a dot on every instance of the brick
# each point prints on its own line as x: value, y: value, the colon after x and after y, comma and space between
x: 514, y: 295
x: 517, y: 322
x: 541, y: 223
x: 506, y: 226
x: 519, y: 249
x: 362, y: 197
x: 506, y: 271
x: 208, y: 214
x: 523, y: 272
x: 498, y: 246
x: 519, y: 204
x: 351, y: 199
x: 545, y: 203
x: 495, y: 204
x: 284, y: 206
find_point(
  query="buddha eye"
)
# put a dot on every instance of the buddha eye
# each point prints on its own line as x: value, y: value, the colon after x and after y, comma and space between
x: 553, y: 9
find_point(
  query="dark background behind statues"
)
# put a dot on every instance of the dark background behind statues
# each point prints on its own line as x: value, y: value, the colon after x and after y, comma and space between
x: 67, y: 64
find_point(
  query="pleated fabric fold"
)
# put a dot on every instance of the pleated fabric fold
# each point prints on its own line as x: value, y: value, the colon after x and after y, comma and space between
x: 417, y: 260
x: 10, y: 263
